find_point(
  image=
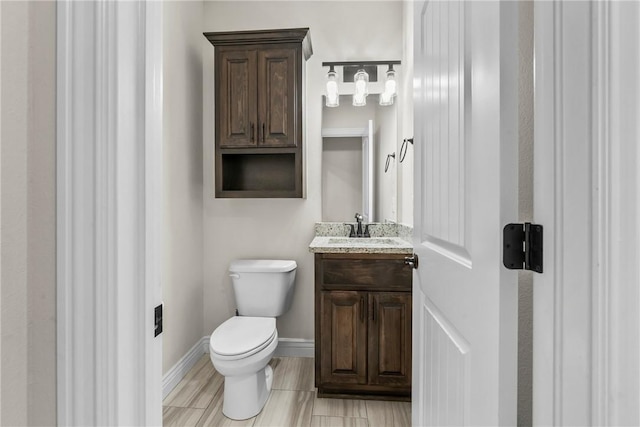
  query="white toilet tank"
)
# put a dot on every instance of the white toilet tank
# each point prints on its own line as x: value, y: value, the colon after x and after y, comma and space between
x: 262, y: 287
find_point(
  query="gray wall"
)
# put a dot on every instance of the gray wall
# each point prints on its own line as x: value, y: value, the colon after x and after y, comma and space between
x: 27, y: 213
x: 182, y: 283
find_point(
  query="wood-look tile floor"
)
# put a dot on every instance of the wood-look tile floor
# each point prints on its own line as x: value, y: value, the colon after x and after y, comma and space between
x: 197, y: 401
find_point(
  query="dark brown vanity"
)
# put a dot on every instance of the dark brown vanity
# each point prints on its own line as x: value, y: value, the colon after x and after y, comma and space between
x: 362, y: 323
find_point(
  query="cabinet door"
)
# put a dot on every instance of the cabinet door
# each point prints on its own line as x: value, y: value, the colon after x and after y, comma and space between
x: 236, y: 108
x: 390, y: 339
x: 277, y: 104
x: 343, y: 337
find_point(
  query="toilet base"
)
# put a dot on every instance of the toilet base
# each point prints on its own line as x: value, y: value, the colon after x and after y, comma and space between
x: 245, y: 396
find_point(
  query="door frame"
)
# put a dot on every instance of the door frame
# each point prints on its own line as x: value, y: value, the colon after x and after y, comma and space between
x: 587, y: 332
x: 109, y: 212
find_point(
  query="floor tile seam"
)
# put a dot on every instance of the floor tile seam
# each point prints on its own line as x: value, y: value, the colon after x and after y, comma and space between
x: 177, y: 407
x: 339, y: 416
x: 291, y: 389
x: 204, y: 411
x: 212, y: 402
x: 180, y: 407
x: 313, y: 406
x: 194, y: 392
x: 190, y: 403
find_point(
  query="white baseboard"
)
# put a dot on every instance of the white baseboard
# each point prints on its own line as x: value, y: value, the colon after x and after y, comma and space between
x: 287, y: 347
x: 295, y: 347
x: 180, y: 369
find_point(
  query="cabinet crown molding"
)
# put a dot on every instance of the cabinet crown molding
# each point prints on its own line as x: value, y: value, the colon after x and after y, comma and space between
x: 286, y: 35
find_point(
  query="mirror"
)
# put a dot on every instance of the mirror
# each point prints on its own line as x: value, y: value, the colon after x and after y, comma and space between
x: 357, y: 144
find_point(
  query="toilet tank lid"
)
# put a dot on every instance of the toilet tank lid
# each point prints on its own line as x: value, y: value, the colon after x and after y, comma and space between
x: 262, y: 266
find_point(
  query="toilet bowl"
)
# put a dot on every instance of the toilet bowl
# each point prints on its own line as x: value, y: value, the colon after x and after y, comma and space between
x: 241, y: 347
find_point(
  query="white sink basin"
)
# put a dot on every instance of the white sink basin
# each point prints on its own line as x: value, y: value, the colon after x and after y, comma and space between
x: 363, y: 241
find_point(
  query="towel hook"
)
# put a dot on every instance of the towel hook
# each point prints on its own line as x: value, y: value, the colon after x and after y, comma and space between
x: 403, y: 148
x: 389, y: 156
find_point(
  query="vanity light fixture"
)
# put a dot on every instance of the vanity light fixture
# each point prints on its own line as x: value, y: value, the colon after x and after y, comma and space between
x: 361, y: 79
x: 332, y: 97
x: 386, y: 97
x: 359, y: 73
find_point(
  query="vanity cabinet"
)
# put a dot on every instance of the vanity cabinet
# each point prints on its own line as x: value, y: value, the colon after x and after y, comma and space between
x: 259, y: 112
x: 363, y: 325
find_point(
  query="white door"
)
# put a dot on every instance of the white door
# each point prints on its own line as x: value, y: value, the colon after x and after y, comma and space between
x: 586, y: 342
x: 465, y: 301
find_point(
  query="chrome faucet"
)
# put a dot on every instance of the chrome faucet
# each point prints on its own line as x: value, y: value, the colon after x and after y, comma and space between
x: 359, y: 220
x: 359, y: 232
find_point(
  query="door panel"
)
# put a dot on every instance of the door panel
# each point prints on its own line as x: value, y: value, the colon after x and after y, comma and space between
x: 344, y: 315
x: 465, y: 177
x: 276, y: 97
x: 390, y: 339
x: 236, y: 112
x: 444, y: 154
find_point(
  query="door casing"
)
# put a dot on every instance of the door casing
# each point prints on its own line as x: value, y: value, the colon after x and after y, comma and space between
x: 109, y: 212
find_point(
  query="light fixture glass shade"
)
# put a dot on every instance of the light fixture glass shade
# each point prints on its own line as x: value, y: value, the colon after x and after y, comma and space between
x: 332, y: 97
x: 390, y: 84
x: 359, y: 100
x: 361, y: 80
x: 386, y: 98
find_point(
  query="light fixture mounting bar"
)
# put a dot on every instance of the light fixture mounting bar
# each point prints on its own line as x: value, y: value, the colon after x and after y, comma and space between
x: 356, y: 63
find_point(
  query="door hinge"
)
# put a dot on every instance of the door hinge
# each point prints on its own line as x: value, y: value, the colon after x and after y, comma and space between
x: 522, y: 247
x: 158, y: 320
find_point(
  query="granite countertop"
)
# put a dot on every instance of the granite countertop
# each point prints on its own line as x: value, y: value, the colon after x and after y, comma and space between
x: 333, y: 238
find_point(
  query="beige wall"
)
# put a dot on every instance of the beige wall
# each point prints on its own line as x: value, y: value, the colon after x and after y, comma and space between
x: 182, y: 133
x: 27, y: 213
x: 347, y: 116
x: 386, y: 138
x: 405, y: 118
x: 283, y: 228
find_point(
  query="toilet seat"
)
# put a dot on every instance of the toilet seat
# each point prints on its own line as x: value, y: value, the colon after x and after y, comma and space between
x: 242, y: 336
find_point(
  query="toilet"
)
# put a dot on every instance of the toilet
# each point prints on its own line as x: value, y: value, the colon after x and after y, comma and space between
x: 241, y: 348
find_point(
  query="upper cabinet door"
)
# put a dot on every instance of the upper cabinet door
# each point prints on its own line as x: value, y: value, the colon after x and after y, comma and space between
x: 277, y: 106
x: 236, y: 101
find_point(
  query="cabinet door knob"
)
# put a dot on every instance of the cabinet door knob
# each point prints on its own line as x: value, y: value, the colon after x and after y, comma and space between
x: 252, y: 131
x: 263, y: 132
x: 411, y: 261
x: 362, y: 309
